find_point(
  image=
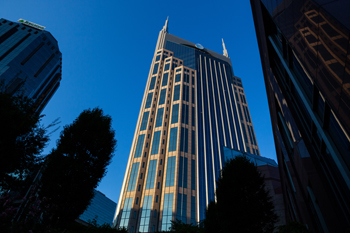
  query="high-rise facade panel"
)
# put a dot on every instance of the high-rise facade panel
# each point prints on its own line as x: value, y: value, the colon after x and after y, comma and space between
x: 193, y: 105
x: 30, y: 61
x: 304, y: 49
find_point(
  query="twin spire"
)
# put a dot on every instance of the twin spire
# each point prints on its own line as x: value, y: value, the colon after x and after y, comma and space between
x: 165, y: 29
x: 223, y: 45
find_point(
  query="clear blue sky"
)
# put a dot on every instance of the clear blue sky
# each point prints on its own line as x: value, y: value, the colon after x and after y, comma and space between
x: 107, y: 49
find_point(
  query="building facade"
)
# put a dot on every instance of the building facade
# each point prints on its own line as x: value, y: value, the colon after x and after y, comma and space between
x: 304, y: 49
x: 101, y: 209
x: 30, y: 61
x: 192, y: 106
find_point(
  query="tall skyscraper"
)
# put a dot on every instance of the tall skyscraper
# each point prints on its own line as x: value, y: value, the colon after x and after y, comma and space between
x: 305, y: 55
x: 192, y: 107
x: 30, y: 60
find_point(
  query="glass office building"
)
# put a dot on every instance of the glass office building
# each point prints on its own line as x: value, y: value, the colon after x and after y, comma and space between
x: 193, y: 105
x: 305, y: 55
x: 101, y: 209
x: 30, y: 61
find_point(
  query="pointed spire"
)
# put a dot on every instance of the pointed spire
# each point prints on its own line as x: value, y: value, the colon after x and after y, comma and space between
x: 165, y: 28
x: 223, y: 45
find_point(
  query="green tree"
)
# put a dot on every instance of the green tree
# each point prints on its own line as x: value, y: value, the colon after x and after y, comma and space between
x: 243, y: 204
x: 77, y: 165
x: 179, y: 227
x: 22, y: 139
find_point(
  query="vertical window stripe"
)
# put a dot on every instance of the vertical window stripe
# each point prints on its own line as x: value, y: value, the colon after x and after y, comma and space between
x: 173, y: 139
x: 155, y: 143
x: 151, y: 174
x: 167, y: 216
x: 176, y: 92
x: 175, y: 114
x: 183, y: 165
x: 184, y: 140
x: 149, y: 100
x: 159, y: 120
x: 152, y: 84
x: 133, y: 176
x: 162, y: 97
x: 165, y: 79
x: 139, y: 146
x: 155, y: 69
x: 170, y: 172
x: 181, y: 213
x: 146, y: 213
x: 126, y: 212
x: 144, y: 121
x: 193, y: 174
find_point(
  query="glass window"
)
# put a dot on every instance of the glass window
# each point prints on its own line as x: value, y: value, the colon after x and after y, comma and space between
x: 146, y: 213
x: 193, y: 210
x: 193, y: 143
x: 139, y: 146
x: 193, y: 174
x: 151, y: 174
x: 193, y: 94
x: 181, y: 213
x: 185, y: 113
x: 162, y: 97
x: 149, y: 100
x: 157, y: 57
x: 170, y: 172
x: 184, y: 140
x: 165, y: 79
x: 193, y: 80
x: 186, y: 93
x: 175, y: 114
x: 176, y: 92
x: 159, y: 119
x: 167, y: 211
x: 133, y: 176
x: 157, y: 199
x: 155, y: 144
x: 178, y: 77
x: 173, y: 139
x: 155, y: 69
x: 243, y: 99
x: 153, y: 82
x: 166, y: 67
x: 144, y: 121
x: 193, y: 117
x: 126, y: 212
x: 240, y: 111
x: 244, y: 133
x: 246, y: 112
x: 183, y: 172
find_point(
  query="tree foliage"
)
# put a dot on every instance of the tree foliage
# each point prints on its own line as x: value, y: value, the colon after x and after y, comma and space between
x: 243, y: 204
x: 293, y: 227
x: 79, y: 162
x: 22, y: 139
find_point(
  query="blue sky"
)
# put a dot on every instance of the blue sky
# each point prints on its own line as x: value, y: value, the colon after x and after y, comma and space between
x: 107, y: 48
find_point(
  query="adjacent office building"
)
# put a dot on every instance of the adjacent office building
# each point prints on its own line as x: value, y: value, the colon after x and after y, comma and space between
x: 101, y: 209
x: 193, y: 105
x: 305, y: 55
x: 30, y: 61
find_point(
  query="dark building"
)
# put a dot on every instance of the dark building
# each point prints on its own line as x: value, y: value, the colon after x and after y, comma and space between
x: 30, y: 61
x: 101, y: 209
x: 305, y: 55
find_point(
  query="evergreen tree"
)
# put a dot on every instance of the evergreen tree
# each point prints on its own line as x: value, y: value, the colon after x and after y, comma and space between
x: 77, y: 165
x: 243, y: 204
x: 22, y: 139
